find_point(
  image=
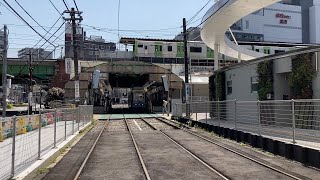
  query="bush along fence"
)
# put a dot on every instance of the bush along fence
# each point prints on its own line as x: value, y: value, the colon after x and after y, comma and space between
x: 25, y: 139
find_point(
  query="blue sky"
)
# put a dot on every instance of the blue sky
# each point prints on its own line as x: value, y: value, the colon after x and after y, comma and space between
x: 135, y: 16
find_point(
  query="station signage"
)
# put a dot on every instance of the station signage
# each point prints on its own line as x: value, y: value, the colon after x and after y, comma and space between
x: 68, y: 65
x: 77, y: 90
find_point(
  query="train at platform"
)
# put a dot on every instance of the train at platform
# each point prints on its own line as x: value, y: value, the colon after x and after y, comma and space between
x: 138, y: 99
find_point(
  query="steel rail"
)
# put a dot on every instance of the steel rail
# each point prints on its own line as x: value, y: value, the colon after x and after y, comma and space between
x: 188, y: 151
x: 137, y: 150
x: 77, y: 176
x: 242, y: 155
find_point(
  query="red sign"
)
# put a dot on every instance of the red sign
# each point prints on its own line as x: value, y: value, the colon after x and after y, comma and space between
x: 282, y: 16
x: 283, y: 21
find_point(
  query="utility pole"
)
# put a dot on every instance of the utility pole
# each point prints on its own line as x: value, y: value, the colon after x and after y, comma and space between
x: 30, y: 83
x: 73, y: 20
x: 186, y: 64
x: 4, y: 72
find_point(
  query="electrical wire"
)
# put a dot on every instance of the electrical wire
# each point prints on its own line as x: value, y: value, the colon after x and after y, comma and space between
x: 26, y: 22
x: 31, y: 17
x: 65, y: 4
x: 188, y: 22
x: 74, y: 1
x: 43, y: 50
x: 132, y: 30
x: 55, y: 7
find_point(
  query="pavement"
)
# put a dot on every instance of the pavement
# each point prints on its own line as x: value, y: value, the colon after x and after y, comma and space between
x: 26, y: 147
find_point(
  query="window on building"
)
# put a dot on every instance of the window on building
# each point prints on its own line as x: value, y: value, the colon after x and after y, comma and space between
x: 196, y: 49
x: 145, y: 47
x: 90, y: 52
x: 257, y: 50
x: 278, y: 51
x: 254, y: 84
x: 160, y: 48
x: 169, y: 48
x: 266, y: 51
x: 102, y: 47
x: 229, y: 87
x: 247, y: 24
x: 140, y: 46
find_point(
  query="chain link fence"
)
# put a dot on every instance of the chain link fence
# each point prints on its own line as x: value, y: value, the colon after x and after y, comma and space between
x: 25, y: 139
x: 288, y: 119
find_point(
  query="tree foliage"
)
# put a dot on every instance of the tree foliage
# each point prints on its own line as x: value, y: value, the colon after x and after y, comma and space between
x: 54, y: 94
x: 300, y: 79
x: 265, y: 82
x: 212, y: 88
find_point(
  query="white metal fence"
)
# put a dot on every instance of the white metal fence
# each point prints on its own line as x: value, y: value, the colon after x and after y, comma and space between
x: 290, y: 119
x: 34, y: 135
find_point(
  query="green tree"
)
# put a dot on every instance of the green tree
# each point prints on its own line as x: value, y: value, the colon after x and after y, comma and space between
x: 265, y: 82
x: 300, y: 79
x: 54, y: 94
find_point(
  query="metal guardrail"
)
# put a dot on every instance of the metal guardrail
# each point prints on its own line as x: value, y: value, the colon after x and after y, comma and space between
x: 289, y: 119
x: 25, y: 139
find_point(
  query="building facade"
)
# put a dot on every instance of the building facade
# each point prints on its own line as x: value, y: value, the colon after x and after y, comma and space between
x: 89, y: 48
x: 294, y: 21
x: 36, y: 53
x: 241, y: 80
x: 95, y: 48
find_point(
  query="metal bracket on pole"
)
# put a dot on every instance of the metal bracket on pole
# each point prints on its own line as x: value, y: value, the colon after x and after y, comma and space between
x: 55, y: 128
x: 73, y: 119
x: 235, y: 115
x: 259, y: 117
x: 207, y: 104
x: 39, y: 135
x: 293, y: 122
x: 78, y: 118
x: 219, y: 113
x: 65, y: 127
x: 14, y: 119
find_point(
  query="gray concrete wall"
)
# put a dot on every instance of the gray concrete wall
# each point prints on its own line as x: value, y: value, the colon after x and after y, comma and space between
x: 241, y: 83
x: 200, y: 90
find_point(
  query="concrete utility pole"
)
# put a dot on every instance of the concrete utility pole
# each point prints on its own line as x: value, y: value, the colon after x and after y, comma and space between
x: 186, y: 63
x: 30, y: 84
x: 4, y: 72
x: 75, y: 40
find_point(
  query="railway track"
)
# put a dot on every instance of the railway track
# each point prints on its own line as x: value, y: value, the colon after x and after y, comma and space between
x: 161, y: 131
x: 238, y: 152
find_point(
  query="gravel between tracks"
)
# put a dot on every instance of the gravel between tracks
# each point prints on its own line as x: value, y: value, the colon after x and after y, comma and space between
x: 165, y: 160
x: 158, y: 124
x: 114, y: 157
x: 228, y: 163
